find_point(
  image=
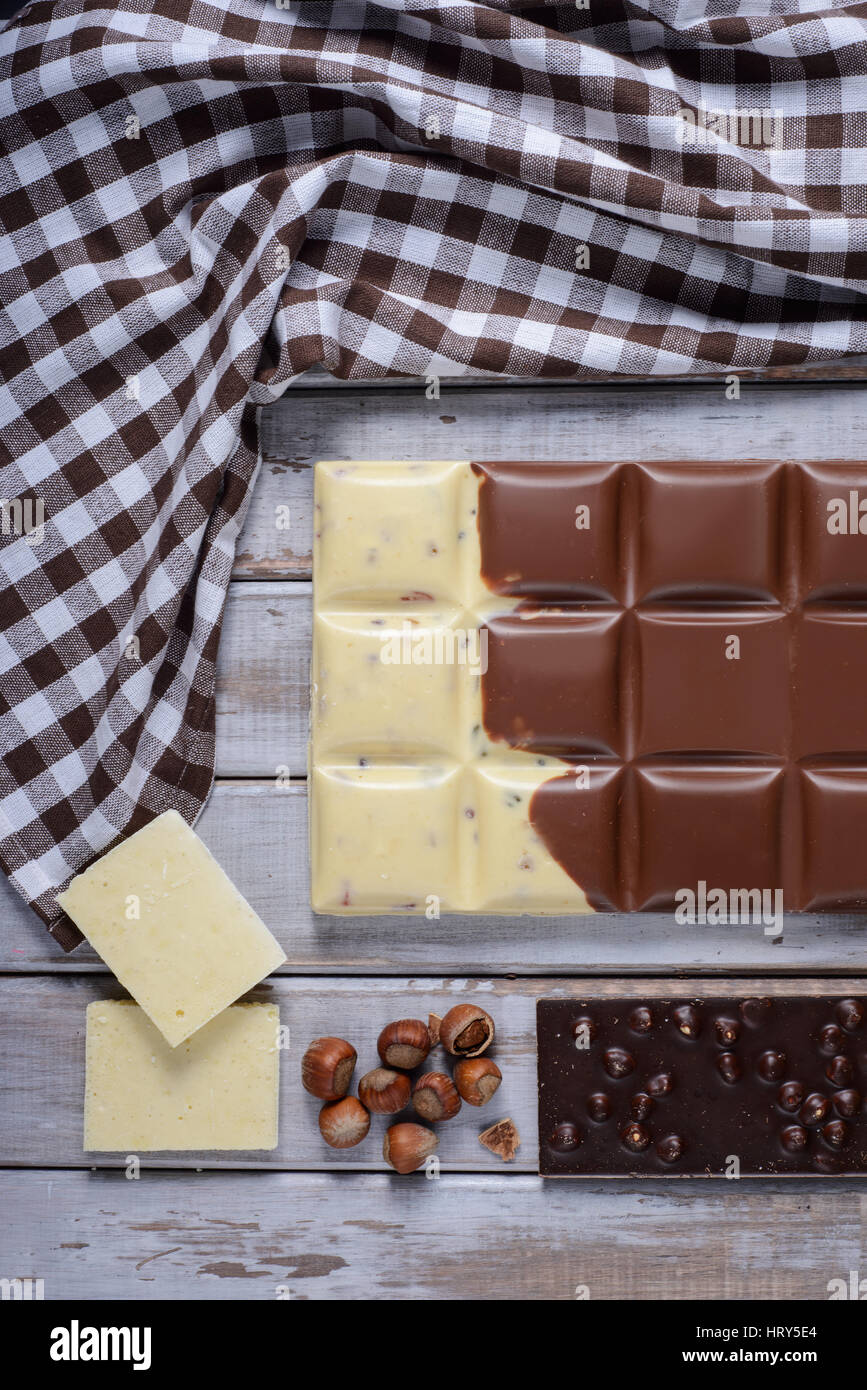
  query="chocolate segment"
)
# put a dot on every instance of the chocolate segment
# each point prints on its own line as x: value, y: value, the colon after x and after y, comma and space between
x: 695, y: 635
x: 677, y: 1098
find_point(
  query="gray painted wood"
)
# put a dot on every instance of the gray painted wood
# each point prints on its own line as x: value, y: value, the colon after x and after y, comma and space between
x: 258, y: 831
x: 43, y: 1083
x: 336, y: 1236
x: 263, y: 682
x: 679, y: 420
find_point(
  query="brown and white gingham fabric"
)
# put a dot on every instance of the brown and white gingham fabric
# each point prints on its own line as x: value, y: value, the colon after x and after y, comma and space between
x: 201, y: 198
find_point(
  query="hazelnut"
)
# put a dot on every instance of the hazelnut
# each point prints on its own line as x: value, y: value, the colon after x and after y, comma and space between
x: 405, y: 1147
x: 435, y: 1096
x: 477, y: 1078
x: 344, y: 1123
x: 404, y: 1044
x: 466, y: 1031
x: 384, y: 1092
x: 433, y: 1028
x: 327, y: 1067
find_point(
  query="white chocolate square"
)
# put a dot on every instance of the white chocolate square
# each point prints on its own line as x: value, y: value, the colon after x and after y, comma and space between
x: 172, y: 926
x: 215, y: 1091
x: 385, y: 838
x: 378, y: 686
x: 389, y: 531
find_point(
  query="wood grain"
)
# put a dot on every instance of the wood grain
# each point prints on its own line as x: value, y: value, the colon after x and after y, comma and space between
x: 258, y: 832
x: 682, y: 420
x: 337, y: 1236
x: 42, y: 1086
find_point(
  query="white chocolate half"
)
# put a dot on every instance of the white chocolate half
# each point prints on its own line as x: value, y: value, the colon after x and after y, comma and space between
x: 215, y: 1091
x: 413, y: 808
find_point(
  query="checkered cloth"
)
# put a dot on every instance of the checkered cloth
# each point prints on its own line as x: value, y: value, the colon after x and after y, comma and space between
x: 200, y: 200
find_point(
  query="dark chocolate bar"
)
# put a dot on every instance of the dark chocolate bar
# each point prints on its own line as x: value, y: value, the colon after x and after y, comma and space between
x: 691, y: 640
x: 722, y: 1086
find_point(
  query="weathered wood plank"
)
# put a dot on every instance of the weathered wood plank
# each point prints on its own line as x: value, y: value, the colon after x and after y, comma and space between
x: 263, y: 681
x: 337, y: 1236
x: 42, y: 1027
x: 259, y: 833
x: 680, y: 420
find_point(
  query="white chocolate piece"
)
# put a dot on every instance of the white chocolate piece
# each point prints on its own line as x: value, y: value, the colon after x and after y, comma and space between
x: 412, y: 807
x: 172, y: 926
x: 215, y: 1091
x: 515, y: 872
x: 386, y: 839
x: 395, y: 709
x: 390, y: 529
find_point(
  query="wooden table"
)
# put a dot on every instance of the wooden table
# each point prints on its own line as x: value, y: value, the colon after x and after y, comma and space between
x: 308, y: 1222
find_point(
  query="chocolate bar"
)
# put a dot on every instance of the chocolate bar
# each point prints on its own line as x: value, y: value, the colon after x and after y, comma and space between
x: 574, y: 687
x: 732, y: 1087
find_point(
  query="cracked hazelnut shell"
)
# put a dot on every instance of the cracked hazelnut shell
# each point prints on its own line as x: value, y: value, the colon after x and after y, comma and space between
x: 466, y: 1031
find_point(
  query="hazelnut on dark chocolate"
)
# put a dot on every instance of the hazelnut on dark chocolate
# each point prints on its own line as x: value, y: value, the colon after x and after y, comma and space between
x: 851, y: 1014
x: 671, y: 1148
x: 640, y: 1106
x: 827, y: 1162
x: 618, y: 1062
x: 687, y: 1020
x: 729, y: 1067
x: 835, y: 1133
x: 847, y: 1103
x: 728, y: 1030
x: 831, y: 1039
x: 641, y: 1019
x: 790, y: 1096
x: 599, y: 1106
x: 565, y: 1137
x: 814, y: 1109
x: 771, y: 1066
x: 755, y: 1011
x: 660, y: 1085
x: 794, y: 1139
x: 635, y: 1137
x: 584, y: 1031
x: 466, y: 1031
x: 840, y: 1071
